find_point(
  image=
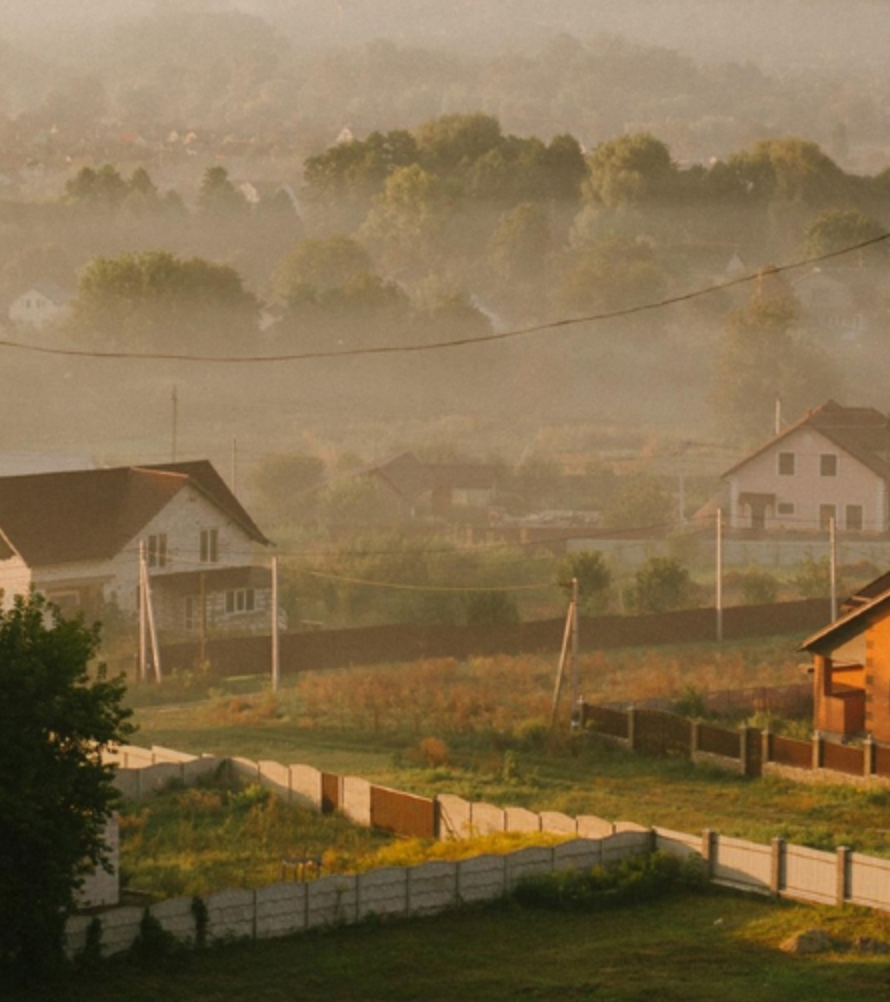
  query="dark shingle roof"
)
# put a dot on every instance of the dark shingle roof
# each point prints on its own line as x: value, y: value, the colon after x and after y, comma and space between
x: 861, y: 432
x: 52, y: 518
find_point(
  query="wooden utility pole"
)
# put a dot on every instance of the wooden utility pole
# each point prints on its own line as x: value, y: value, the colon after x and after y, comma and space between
x: 175, y: 401
x: 719, y: 581
x: 832, y: 564
x: 143, y: 638
x: 570, y: 634
x: 575, y: 693
x: 276, y: 671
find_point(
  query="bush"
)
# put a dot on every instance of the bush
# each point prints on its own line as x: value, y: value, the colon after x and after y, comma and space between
x: 640, y: 878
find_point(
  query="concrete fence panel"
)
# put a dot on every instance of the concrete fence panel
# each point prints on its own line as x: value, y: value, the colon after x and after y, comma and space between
x: 276, y: 778
x: 518, y: 819
x: 119, y: 928
x: 486, y: 819
x: 482, y: 878
x: 356, y: 803
x: 810, y: 875
x: 155, y: 777
x: 281, y: 910
x: 432, y: 887
x: 245, y: 769
x: 231, y: 914
x: 454, y: 816
x: 196, y: 768
x: 127, y: 781
x: 161, y: 754
x: 629, y: 842
x: 331, y: 900
x: 305, y: 786
x: 383, y: 892
x: 677, y: 843
x: 134, y: 757
x: 868, y: 881
x: 532, y: 862
x: 76, y: 933
x: 741, y: 864
x: 590, y: 826
x: 176, y: 917
x: 557, y: 823
x: 579, y: 854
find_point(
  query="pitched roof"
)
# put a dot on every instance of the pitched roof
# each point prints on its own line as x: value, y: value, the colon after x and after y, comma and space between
x: 64, y: 517
x: 406, y: 474
x: 861, y: 432
x: 853, y: 622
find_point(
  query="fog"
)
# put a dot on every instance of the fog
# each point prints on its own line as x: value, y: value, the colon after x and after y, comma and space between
x: 477, y: 240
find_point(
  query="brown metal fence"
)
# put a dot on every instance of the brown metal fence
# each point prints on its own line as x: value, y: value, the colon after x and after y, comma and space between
x: 614, y: 723
x: 403, y: 813
x: 882, y: 760
x: 843, y: 758
x: 787, y: 751
x: 719, y: 741
x: 331, y: 785
x: 664, y: 734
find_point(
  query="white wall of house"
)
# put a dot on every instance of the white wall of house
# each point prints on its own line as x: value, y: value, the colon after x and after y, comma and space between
x: 36, y: 309
x: 15, y: 579
x: 181, y: 522
x: 804, y: 496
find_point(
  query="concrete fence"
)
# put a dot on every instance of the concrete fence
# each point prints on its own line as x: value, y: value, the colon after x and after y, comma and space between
x: 779, y: 869
x: 398, y: 891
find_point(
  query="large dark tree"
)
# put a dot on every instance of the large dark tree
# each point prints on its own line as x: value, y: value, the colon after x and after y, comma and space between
x: 57, y: 714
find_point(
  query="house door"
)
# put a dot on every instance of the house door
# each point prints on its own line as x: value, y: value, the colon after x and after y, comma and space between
x: 758, y: 515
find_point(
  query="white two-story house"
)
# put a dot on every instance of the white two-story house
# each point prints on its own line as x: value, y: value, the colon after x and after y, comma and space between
x: 76, y: 537
x: 834, y: 463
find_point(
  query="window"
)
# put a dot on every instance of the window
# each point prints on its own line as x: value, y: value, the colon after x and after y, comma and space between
x: 240, y: 600
x: 157, y: 550
x: 786, y: 464
x: 853, y: 517
x: 209, y: 546
x: 785, y: 508
x: 827, y: 512
x: 828, y: 465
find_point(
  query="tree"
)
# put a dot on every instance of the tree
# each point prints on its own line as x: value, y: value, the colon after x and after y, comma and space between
x: 660, y: 585
x: 321, y: 263
x: 593, y: 576
x: 838, y: 229
x: 56, y: 718
x: 158, y: 301
x: 219, y: 197
x: 630, y: 169
x: 761, y: 361
x: 640, y: 501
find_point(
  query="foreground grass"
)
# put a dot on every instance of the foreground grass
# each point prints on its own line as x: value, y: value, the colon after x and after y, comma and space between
x: 694, y: 948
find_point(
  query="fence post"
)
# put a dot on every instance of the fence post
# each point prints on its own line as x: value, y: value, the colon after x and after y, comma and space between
x: 868, y: 756
x: 818, y: 751
x: 709, y: 850
x: 766, y: 738
x: 696, y: 737
x: 777, y: 866
x: 632, y: 728
x: 843, y: 868
x: 744, y: 737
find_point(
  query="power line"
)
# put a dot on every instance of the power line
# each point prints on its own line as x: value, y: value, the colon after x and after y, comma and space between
x: 394, y: 349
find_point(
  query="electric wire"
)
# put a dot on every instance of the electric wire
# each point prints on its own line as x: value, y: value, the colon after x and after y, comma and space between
x: 394, y: 349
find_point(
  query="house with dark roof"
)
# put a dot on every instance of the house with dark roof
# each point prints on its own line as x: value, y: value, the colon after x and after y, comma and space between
x: 76, y: 537
x: 851, y: 666
x: 834, y: 463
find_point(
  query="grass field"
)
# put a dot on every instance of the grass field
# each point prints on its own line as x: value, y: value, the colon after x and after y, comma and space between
x: 695, y: 948
x: 479, y: 730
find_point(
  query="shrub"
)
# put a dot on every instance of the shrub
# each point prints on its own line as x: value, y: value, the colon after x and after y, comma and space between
x: 433, y: 751
x: 640, y: 878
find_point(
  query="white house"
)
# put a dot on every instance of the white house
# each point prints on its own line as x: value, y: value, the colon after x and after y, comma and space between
x: 43, y: 303
x: 832, y: 464
x: 75, y: 537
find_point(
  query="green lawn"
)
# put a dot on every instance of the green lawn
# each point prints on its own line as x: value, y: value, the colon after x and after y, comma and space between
x: 687, y: 948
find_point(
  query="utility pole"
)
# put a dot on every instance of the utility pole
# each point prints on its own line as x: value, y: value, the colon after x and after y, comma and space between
x: 719, y: 581
x: 576, y: 723
x: 175, y: 402
x: 832, y: 564
x: 235, y: 466
x: 276, y: 672
x: 143, y: 638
